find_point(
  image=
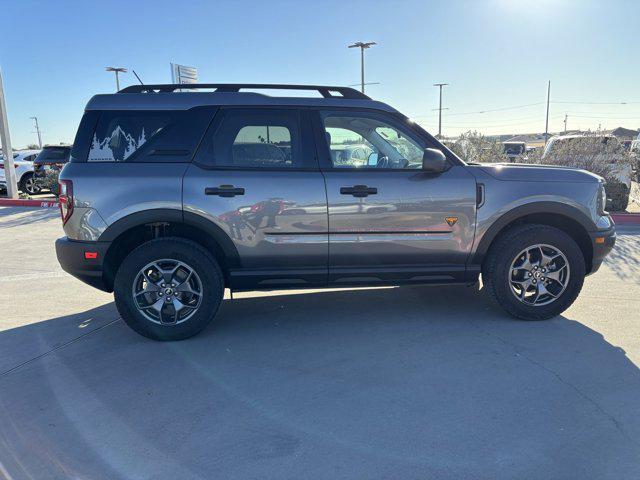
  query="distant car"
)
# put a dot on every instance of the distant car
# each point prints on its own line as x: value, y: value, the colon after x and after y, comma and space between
x: 514, y: 150
x: 23, y: 163
x: 51, y: 159
x: 618, y: 187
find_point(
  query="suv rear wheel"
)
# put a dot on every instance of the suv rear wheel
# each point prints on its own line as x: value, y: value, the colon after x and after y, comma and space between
x: 29, y: 185
x: 534, y: 272
x: 168, y: 289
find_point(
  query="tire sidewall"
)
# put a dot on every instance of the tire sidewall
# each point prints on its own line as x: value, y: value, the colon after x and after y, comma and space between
x: 176, y: 249
x: 507, y: 251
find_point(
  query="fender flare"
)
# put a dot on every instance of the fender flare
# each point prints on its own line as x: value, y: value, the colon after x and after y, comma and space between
x: 171, y: 215
x: 554, y: 208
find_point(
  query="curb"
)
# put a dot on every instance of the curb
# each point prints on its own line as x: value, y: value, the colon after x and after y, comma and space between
x: 10, y: 202
x: 626, y: 218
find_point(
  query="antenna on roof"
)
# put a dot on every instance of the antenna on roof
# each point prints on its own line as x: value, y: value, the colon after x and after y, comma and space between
x: 134, y: 72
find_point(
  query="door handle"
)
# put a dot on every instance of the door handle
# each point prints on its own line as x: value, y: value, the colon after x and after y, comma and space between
x: 224, y: 191
x: 359, y: 191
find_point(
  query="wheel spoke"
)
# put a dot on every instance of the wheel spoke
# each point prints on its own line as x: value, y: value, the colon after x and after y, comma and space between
x: 555, y: 275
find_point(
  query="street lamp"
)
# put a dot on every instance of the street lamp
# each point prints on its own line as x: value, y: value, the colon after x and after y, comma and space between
x: 362, y: 46
x: 116, y: 70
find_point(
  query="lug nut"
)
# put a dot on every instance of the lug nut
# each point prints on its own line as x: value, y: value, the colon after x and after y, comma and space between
x: 160, y: 293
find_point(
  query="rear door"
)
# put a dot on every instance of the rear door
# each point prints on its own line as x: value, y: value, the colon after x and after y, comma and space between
x: 388, y: 219
x: 257, y: 179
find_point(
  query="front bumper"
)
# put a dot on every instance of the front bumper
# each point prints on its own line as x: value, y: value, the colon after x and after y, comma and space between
x: 603, y: 242
x: 71, y: 256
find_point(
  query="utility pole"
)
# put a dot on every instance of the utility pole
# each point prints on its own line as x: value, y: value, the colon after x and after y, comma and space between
x: 9, y: 169
x: 546, y: 126
x: 35, y: 120
x: 116, y: 70
x: 362, y: 46
x: 565, y: 122
x: 440, y: 85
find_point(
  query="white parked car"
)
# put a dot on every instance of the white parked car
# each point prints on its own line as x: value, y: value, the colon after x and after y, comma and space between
x: 23, y: 162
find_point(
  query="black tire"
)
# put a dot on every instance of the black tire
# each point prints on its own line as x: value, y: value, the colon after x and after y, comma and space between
x: 23, y: 184
x: 186, y: 251
x: 496, y: 270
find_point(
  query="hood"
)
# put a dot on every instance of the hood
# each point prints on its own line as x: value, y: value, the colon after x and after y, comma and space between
x: 538, y: 173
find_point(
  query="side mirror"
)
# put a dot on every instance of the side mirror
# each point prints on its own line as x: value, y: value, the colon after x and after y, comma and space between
x: 434, y: 161
x: 372, y: 161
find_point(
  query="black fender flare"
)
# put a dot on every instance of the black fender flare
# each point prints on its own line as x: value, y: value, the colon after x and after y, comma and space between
x: 554, y: 208
x: 172, y: 215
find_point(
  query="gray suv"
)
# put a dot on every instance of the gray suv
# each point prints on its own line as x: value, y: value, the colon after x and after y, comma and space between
x: 170, y: 197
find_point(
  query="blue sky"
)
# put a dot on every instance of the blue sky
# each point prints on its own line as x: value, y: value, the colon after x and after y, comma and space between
x: 496, y: 54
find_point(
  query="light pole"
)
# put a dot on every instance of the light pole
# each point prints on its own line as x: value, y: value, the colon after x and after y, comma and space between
x: 440, y: 85
x: 5, y: 139
x: 35, y: 121
x: 362, y: 46
x: 116, y: 70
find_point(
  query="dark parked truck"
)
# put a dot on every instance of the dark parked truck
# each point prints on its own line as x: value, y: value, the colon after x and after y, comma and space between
x: 170, y: 197
x: 48, y: 164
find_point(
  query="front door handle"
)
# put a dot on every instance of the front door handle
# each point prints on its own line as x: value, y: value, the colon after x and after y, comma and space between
x: 359, y: 191
x: 224, y: 191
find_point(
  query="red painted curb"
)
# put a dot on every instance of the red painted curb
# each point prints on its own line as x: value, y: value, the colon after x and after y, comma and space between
x: 626, y: 218
x: 10, y: 202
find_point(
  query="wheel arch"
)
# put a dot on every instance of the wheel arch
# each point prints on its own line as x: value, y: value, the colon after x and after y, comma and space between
x: 561, y: 216
x: 133, y: 230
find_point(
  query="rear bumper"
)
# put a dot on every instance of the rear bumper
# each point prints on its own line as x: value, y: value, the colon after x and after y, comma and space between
x: 71, y: 256
x: 603, y: 242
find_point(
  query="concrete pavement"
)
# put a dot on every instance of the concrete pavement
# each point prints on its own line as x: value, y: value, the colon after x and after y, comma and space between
x: 372, y: 383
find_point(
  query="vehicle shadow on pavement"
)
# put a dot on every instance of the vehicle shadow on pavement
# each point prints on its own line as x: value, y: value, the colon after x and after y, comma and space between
x: 624, y: 259
x: 404, y: 383
x: 16, y: 216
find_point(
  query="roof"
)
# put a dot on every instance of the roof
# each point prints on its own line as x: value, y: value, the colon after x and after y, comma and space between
x: 164, y: 97
x: 625, y: 132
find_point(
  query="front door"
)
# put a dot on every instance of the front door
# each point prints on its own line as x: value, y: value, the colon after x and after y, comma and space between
x: 388, y: 219
x: 256, y: 179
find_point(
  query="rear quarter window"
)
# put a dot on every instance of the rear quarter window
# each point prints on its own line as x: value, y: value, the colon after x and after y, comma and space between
x: 147, y: 136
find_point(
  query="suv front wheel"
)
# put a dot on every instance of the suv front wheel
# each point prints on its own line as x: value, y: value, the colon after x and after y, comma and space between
x: 534, y: 272
x: 168, y: 289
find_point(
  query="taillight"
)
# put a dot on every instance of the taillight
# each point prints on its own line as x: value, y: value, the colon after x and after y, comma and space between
x: 65, y: 199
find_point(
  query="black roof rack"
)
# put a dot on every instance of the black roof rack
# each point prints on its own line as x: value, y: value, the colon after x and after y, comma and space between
x: 325, y: 91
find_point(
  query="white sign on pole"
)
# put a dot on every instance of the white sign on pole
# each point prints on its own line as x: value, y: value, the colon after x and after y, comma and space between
x: 181, y: 74
x: 9, y: 170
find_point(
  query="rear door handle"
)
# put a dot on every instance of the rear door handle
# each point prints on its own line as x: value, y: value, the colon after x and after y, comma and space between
x: 224, y: 191
x: 359, y: 191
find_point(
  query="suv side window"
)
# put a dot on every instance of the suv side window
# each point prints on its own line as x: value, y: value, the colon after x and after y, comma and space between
x: 365, y: 141
x: 257, y: 138
x: 148, y: 136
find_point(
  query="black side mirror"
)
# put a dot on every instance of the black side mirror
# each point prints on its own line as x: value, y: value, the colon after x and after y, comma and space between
x: 434, y: 161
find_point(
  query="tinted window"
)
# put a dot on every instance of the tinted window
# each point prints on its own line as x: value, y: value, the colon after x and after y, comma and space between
x: 365, y: 141
x: 54, y: 154
x: 118, y: 137
x: 148, y: 136
x: 248, y: 138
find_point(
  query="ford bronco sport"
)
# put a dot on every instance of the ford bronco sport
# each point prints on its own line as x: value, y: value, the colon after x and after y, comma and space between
x: 170, y: 197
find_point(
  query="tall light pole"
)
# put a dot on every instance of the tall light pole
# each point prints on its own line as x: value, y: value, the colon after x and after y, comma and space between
x: 362, y: 46
x: 5, y: 139
x: 440, y: 85
x: 546, y: 125
x: 116, y: 70
x: 35, y: 121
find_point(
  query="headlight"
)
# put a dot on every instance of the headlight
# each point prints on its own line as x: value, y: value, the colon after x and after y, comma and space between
x: 602, y: 201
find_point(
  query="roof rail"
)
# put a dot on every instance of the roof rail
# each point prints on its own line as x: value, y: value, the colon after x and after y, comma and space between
x: 325, y: 91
